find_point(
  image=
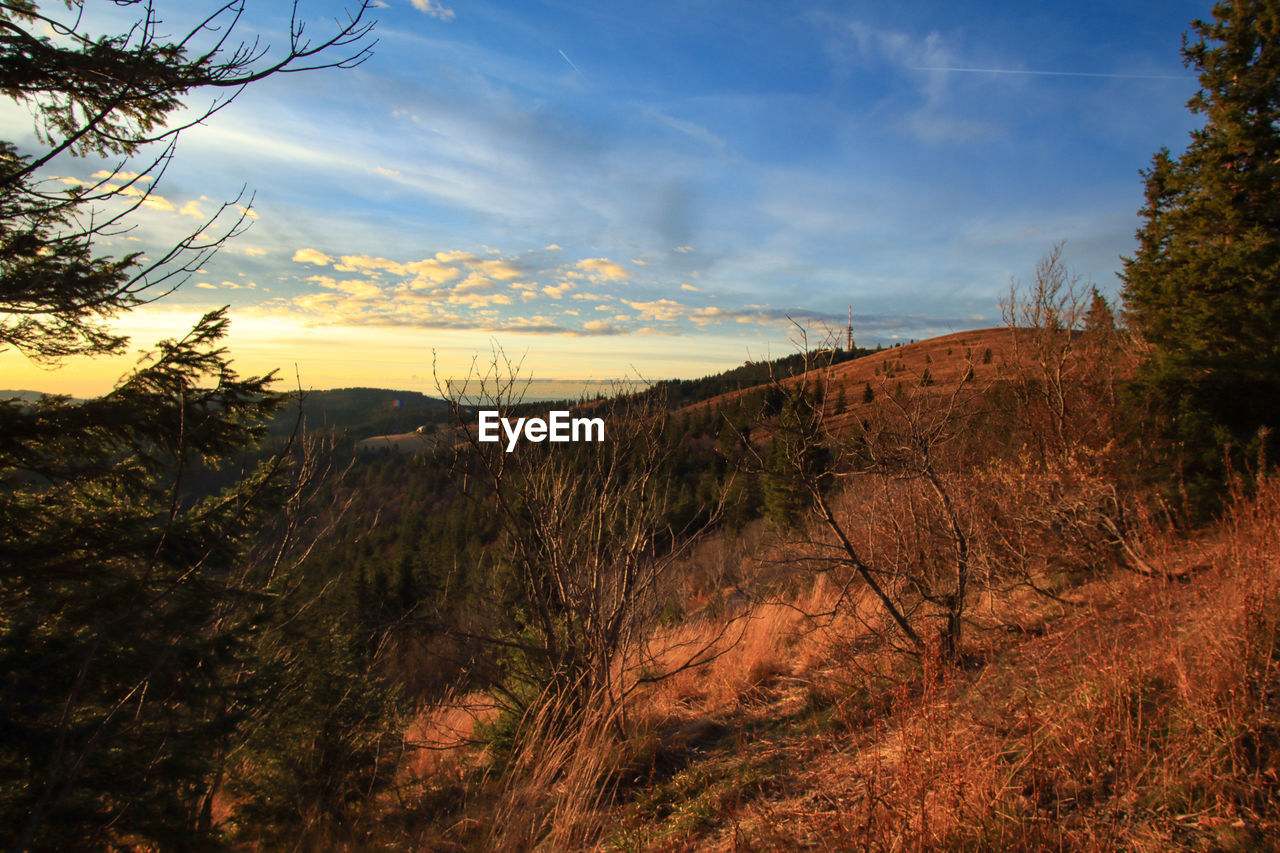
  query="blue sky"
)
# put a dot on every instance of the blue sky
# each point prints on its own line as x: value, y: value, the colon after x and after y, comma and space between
x: 655, y: 188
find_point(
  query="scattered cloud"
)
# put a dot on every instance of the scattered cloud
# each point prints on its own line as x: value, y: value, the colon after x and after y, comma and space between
x: 661, y: 310
x: 689, y: 287
x: 684, y: 249
x: 926, y: 59
x: 501, y: 270
x: 311, y: 256
x: 254, y: 251
x: 107, y: 175
x: 602, y: 327
x: 391, y: 172
x: 434, y: 9
x: 602, y: 269
x: 354, y: 288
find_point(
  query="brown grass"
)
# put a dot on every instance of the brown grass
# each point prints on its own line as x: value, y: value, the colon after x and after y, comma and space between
x: 1148, y: 721
x: 1143, y: 716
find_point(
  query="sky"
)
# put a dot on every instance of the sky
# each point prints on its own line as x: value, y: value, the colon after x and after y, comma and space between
x: 645, y: 190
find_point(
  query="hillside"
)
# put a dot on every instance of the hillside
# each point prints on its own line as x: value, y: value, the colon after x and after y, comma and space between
x: 362, y: 412
x: 1131, y: 714
x: 1114, y: 688
x: 1115, y: 711
x: 944, y: 358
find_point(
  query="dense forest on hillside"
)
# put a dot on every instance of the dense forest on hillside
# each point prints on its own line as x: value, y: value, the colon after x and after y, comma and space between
x: 1011, y: 588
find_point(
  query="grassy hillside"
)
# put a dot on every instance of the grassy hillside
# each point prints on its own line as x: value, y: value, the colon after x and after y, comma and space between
x: 1113, y: 682
x: 1115, y: 711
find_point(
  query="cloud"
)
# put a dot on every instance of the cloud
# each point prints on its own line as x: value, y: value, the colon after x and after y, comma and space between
x: 192, y: 208
x: 553, y: 248
x: 311, y: 256
x: 602, y: 269
x: 684, y: 249
x: 501, y: 270
x: 557, y: 291
x: 107, y: 175
x: 153, y: 201
x: 443, y: 267
x: 661, y: 310
x: 390, y: 172
x: 689, y: 287
x: 434, y: 9
x: 601, y: 327
x: 475, y: 282
x: 355, y: 288
x: 250, y: 250
x: 688, y: 128
x: 927, y: 60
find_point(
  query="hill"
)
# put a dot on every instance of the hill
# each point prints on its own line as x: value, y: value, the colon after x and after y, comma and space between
x: 937, y: 361
x: 28, y: 396
x: 362, y: 412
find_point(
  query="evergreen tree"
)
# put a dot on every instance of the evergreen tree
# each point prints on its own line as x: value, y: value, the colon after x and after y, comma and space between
x: 126, y: 597
x: 1203, y: 288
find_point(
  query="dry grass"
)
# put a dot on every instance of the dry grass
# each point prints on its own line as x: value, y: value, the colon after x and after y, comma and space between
x: 744, y: 651
x: 1144, y: 717
x: 1149, y: 721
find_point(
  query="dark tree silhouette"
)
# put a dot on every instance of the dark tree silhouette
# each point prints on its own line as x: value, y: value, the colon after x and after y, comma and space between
x: 123, y: 587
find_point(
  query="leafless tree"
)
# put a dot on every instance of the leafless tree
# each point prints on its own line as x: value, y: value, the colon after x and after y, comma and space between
x: 586, y: 547
x: 898, y: 547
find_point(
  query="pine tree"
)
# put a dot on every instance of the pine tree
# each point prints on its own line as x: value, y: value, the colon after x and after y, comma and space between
x: 1203, y: 288
x: 126, y: 594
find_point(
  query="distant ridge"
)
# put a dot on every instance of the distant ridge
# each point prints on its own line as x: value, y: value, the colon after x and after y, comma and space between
x: 363, y: 411
x: 28, y: 396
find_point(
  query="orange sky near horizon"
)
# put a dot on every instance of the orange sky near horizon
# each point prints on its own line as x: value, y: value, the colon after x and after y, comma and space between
x: 331, y: 356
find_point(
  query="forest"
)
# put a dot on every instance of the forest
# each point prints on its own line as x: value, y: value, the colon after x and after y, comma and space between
x: 1007, y: 588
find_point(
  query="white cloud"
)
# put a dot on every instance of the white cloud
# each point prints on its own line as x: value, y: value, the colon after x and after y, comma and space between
x: 434, y: 9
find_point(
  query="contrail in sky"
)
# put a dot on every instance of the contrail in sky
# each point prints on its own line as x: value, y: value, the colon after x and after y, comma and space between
x: 1057, y: 73
x: 570, y: 61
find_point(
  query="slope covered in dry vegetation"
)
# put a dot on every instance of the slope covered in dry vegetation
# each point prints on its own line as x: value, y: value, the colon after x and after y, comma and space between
x: 981, y: 629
